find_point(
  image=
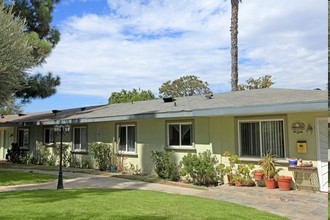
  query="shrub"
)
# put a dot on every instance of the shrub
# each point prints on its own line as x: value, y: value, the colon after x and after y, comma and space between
x: 75, y: 162
x: 164, y: 167
x: 200, y: 168
x: 86, y: 162
x: 41, y: 154
x: 102, y: 154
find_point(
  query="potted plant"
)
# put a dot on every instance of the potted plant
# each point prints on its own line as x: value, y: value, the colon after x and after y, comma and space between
x: 267, y: 163
x: 230, y: 170
x: 237, y: 180
x: 258, y: 174
x: 244, y: 170
x: 284, y: 183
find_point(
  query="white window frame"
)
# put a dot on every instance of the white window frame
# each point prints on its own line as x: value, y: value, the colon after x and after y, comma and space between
x: 180, y: 146
x: 26, y: 138
x: 259, y: 121
x: 51, y: 136
x: 126, y: 151
x: 79, y: 149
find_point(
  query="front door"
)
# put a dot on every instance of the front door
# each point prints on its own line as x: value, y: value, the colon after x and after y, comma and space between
x: 322, y: 152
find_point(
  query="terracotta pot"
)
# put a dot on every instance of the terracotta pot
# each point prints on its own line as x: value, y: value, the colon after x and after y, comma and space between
x: 258, y: 175
x: 284, y: 183
x: 238, y: 183
x: 270, y: 183
x: 230, y: 180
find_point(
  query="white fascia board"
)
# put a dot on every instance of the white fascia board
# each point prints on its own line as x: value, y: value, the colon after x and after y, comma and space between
x: 120, y: 118
x: 267, y: 109
x: 247, y: 110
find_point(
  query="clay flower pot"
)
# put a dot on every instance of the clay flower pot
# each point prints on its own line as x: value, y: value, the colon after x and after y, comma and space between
x: 258, y: 175
x: 270, y: 183
x: 284, y: 183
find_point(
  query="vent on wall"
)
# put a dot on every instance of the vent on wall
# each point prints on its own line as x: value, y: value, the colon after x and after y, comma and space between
x: 168, y: 99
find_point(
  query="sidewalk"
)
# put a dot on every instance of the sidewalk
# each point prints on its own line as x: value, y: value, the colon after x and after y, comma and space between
x: 293, y: 204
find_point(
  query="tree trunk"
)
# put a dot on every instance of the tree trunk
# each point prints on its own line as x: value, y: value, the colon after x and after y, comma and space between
x: 234, y: 46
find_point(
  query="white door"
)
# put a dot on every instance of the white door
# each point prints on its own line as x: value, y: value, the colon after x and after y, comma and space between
x: 322, y: 152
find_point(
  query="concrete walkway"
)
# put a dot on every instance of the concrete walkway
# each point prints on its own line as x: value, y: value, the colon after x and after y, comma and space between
x: 293, y: 204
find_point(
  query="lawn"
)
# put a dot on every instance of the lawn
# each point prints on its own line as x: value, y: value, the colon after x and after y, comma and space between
x: 16, y: 178
x: 119, y: 204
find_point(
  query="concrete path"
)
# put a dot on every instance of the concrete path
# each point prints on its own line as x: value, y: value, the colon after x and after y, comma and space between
x: 298, y: 205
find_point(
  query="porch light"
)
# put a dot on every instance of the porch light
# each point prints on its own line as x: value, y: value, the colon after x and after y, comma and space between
x: 309, y: 129
x: 61, y: 129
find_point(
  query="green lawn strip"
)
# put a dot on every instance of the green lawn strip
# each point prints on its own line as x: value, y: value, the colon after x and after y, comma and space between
x: 49, y: 168
x: 17, y: 178
x: 119, y: 204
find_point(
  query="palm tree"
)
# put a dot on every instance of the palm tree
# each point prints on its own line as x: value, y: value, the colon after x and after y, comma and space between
x: 234, y: 46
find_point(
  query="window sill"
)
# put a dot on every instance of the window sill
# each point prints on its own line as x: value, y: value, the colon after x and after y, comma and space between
x: 127, y: 153
x: 257, y: 159
x: 79, y: 152
x: 180, y: 148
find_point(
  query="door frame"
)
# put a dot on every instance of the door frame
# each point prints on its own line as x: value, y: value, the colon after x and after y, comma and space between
x: 320, y: 163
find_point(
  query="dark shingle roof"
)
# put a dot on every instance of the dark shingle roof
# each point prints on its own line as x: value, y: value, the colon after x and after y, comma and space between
x: 231, y: 103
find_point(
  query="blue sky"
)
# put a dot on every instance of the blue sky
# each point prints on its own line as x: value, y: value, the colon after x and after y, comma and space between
x: 107, y: 46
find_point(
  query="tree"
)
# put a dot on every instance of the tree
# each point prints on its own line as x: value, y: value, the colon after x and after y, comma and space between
x: 188, y: 85
x: 42, y: 39
x: 15, y: 54
x: 38, y: 16
x: 10, y: 107
x: 38, y: 87
x: 234, y: 44
x: 130, y: 96
x: 265, y: 81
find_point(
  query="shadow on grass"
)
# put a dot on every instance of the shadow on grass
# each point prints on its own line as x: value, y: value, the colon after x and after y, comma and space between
x: 53, y: 196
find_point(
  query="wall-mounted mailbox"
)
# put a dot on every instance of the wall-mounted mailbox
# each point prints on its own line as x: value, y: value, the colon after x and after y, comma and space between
x: 301, y: 147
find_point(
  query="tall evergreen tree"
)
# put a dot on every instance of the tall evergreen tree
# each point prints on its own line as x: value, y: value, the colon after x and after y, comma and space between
x: 37, y: 15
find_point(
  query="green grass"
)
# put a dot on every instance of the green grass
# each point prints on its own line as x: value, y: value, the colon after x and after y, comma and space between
x: 16, y: 178
x: 118, y: 204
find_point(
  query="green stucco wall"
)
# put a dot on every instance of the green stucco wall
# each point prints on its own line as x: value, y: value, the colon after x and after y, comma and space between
x: 217, y: 134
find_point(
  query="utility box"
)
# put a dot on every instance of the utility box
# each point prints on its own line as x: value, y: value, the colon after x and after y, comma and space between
x: 301, y: 147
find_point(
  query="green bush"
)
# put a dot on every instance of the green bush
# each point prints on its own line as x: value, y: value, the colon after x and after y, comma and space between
x: 86, y: 162
x: 164, y: 167
x: 102, y: 154
x: 200, y: 168
x: 41, y: 154
x: 75, y: 162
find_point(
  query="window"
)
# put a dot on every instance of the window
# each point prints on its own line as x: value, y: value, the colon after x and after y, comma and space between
x: 179, y: 134
x: 49, y: 136
x: 23, y: 138
x: 126, y: 137
x: 258, y: 137
x: 79, y: 139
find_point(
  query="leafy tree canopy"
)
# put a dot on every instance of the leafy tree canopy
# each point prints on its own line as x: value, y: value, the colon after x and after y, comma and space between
x: 130, y: 96
x: 21, y: 51
x: 10, y: 107
x: 15, y: 54
x: 265, y: 81
x: 188, y: 85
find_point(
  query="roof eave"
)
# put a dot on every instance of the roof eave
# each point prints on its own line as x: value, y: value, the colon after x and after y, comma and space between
x: 266, y: 109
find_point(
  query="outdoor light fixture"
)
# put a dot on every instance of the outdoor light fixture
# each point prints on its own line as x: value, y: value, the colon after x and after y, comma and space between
x: 61, y: 129
x: 309, y: 129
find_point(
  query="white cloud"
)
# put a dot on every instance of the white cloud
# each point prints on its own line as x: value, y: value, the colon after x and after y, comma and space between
x: 141, y: 44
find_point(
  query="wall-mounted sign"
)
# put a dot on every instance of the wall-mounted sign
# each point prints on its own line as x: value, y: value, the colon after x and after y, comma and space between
x: 298, y: 127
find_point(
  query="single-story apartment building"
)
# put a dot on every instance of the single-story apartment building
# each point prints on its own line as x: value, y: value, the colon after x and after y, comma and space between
x: 290, y: 123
